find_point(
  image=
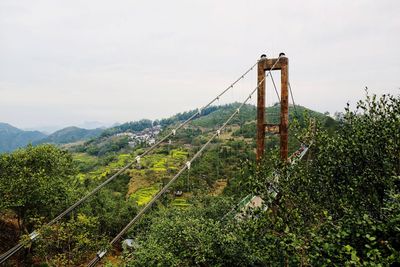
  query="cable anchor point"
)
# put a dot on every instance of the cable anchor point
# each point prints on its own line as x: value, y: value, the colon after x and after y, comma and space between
x: 101, y: 253
x: 33, y: 235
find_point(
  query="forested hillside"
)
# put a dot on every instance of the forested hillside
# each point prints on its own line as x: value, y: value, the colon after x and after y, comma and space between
x: 12, y: 138
x: 70, y: 135
x: 340, y: 205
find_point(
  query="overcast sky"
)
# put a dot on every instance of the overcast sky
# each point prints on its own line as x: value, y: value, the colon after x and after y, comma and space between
x: 66, y: 62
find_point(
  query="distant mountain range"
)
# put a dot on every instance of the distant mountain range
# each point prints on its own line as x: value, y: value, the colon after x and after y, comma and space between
x: 49, y: 129
x: 12, y: 138
x: 91, y: 125
x: 70, y: 135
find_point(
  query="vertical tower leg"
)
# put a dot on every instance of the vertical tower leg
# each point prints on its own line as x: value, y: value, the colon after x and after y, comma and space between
x: 260, y: 109
x: 284, y: 108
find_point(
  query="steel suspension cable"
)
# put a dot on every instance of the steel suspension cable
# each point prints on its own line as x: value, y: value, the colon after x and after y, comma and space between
x: 231, y: 86
x: 273, y: 82
x: 36, y: 233
x: 101, y: 253
x: 294, y: 104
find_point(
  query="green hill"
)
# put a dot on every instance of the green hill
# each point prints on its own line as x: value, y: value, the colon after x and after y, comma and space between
x: 12, y: 138
x: 70, y: 135
x: 210, y: 118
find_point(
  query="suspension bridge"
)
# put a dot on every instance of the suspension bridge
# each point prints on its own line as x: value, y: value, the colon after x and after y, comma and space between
x: 265, y: 66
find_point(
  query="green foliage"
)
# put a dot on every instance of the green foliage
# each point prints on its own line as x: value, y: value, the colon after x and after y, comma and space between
x: 85, y: 162
x: 144, y: 195
x: 179, y: 154
x: 182, y: 233
x: 112, y: 209
x: 36, y: 181
x: 184, y: 237
x: 220, y: 115
x: 160, y: 163
x: 212, y: 165
x: 359, y: 163
x: 247, y: 130
x: 69, y: 243
x: 180, y: 202
x: 103, y: 147
x: 44, y: 183
x: 133, y: 126
x: 187, y: 135
x: 184, y: 116
x: 341, y: 208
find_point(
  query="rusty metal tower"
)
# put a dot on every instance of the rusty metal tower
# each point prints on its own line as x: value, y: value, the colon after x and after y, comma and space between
x: 267, y: 65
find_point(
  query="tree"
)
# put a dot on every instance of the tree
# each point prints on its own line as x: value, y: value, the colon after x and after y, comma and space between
x: 188, y: 237
x: 113, y: 209
x: 69, y: 243
x: 356, y: 168
x: 35, y: 181
x: 340, y: 207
